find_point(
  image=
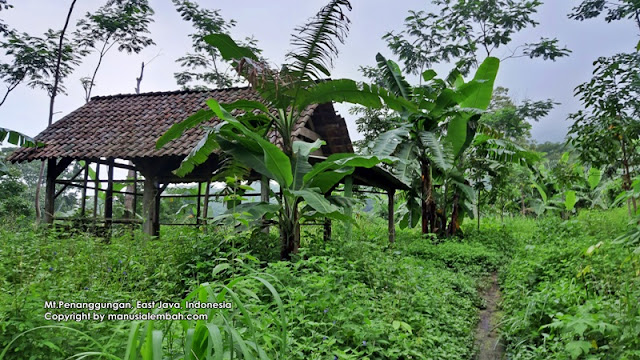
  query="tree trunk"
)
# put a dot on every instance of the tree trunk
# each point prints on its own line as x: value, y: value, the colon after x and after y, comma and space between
x: 290, y: 234
x: 52, y: 100
x: 454, y: 223
x: 428, y: 203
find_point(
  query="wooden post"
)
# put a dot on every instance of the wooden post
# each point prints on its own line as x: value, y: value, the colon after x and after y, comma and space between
x: 205, y: 209
x: 97, y: 194
x: 392, y: 223
x: 150, y: 204
x: 135, y: 195
x: 83, y: 202
x: 327, y: 222
x: 348, y: 193
x: 198, y: 211
x: 49, y: 200
x: 264, y: 197
x: 108, y: 203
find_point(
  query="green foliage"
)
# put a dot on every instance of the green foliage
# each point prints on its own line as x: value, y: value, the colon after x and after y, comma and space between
x: 570, y: 292
x: 124, y: 23
x: 334, y: 300
x: 462, y: 28
x: 204, y: 66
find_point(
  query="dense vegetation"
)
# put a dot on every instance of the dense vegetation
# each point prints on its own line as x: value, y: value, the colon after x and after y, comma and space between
x: 555, y: 226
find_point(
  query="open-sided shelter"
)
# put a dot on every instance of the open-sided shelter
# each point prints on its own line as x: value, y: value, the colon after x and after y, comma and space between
x: 110, y: 129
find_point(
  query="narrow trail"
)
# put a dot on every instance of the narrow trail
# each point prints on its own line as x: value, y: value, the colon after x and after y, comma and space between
x: 488, y: 342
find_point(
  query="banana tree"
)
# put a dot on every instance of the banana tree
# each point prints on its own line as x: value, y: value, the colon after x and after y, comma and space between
x: 285, y: 95
x: 15, y: 138
x: 434, y: 136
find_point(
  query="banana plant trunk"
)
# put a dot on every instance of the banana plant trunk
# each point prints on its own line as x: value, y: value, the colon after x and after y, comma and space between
x: 428, y: 203
x: 290, y: 232
x: 454, y: 223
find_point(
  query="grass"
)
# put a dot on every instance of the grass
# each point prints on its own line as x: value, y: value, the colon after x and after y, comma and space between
x: 571, y: 293
x: 351, y: 299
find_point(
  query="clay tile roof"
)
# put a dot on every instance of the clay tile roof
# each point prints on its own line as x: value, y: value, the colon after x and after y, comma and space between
x: 128, y: 126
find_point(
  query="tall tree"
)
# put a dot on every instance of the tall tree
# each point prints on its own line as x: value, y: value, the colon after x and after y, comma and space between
x: 513, y: 120
x: 4, y: 28
x: 463, y: 28
x: 612, y: 10
x: 608, y: 128
x: 124, y: 23
x: 67, y: 55
x: 204, y: 67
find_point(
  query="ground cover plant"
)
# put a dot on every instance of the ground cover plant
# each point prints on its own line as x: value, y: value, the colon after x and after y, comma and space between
x: 337, y: 302
x: 524, y: 250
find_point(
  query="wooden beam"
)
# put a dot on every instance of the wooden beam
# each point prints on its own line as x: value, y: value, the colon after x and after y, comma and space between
x: 67, y: 184
x: 135, y: 195
x: 83, y: 201
x: 108, y: 203
x: 150, y: 202
x: 348, y: 193
x: 205, y: 209
x: 49, y: 199
x: 97, y: 195
x: 308, y: 133
x: 264, y: 197
x: 198, y: 203
x: 392, y: 222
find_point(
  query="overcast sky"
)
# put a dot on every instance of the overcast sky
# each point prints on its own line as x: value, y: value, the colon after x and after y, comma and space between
x: 271, y: 23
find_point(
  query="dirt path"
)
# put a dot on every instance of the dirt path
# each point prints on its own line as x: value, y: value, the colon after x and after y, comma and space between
x: 488, y: 341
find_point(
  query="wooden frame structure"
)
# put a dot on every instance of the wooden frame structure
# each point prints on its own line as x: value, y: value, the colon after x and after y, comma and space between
x: 108, y: 130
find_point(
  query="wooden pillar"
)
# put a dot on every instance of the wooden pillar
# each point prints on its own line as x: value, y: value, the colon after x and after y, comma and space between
x: 97, y: 194
x: 199, y: 203
x: 85, y: 180
x: 264, y: 197
x: 205, y: 209
x: 135, y: 195
x: 327, y: 222
x: 348, y: 193
x: 108, y: 203
x: 50, y: 192
x: 150, y: 203
x: 327, y: 229
x: 392, y: 223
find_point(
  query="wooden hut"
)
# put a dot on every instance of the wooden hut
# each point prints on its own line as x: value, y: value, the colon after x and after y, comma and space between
x: 121, y: 131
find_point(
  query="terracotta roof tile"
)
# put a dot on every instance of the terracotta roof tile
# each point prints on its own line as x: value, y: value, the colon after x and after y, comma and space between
x: 128, y: 126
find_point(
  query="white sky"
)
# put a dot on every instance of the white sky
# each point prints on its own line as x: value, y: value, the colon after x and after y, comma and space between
x: 271, y: 23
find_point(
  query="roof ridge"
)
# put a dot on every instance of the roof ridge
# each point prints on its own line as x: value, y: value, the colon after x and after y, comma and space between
x: 169, y: 92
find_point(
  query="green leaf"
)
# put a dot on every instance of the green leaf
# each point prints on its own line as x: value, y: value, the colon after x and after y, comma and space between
x: 176, y: 130
x: 457, y: 133
x: 570, y: 200
x: 387, y: 143
x: 228, y: 48
x: 316, y: 201
x: 428, y: 75
x: 17, y: 138
x: 595, y: 175
x: 541, y: 191
x: 349, y: 91
x: 198, y: 155
x: 577, y: 348
x: 157, y: 344
x: 393, y: 78
x: 439, y: 154
x: 486, y: 74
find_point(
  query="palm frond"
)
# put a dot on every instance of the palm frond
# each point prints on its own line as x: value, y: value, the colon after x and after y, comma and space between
x: 392, y: 77
x: 316, y: 41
